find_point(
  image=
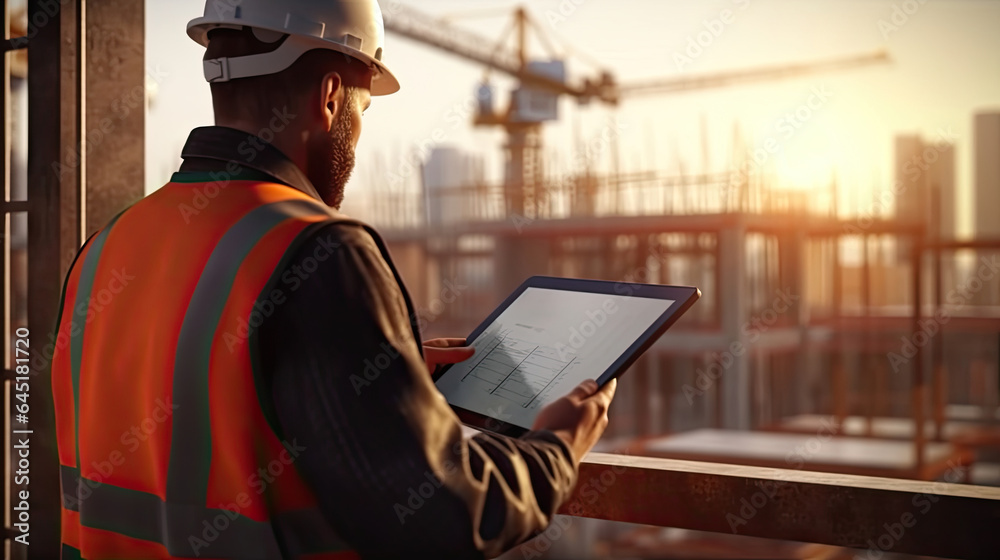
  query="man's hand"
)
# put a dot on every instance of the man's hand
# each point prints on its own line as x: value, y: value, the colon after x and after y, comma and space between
x: 441, y: 351
x: 580, y: 417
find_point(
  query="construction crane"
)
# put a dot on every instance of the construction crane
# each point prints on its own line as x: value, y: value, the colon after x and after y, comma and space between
x: 534, y: 100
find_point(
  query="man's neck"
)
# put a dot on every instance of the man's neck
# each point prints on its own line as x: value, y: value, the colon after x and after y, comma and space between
x: 290, y: 141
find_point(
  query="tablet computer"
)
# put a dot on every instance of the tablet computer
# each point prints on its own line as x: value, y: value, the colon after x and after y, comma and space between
x: 550, y: 335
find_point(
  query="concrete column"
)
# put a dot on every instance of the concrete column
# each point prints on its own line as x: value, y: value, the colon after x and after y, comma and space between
x: 115, y: 108
x: 735, y: 382
x: 519, y: 257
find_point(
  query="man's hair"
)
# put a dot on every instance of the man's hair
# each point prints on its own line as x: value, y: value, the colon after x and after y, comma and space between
x: 255, y: 98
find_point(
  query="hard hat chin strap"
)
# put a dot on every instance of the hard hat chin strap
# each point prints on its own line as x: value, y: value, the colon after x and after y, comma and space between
x: 224, y: 69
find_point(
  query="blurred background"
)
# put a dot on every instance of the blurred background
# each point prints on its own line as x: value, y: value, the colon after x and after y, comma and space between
x: 826, y: 172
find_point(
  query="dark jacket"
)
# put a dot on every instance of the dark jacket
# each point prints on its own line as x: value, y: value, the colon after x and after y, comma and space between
x: 344, y: 365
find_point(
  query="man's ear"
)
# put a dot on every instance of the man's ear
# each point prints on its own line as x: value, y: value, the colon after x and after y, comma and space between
x: 332, y: 98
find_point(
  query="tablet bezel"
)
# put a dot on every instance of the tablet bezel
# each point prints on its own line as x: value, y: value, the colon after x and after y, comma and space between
x: 683, y: 297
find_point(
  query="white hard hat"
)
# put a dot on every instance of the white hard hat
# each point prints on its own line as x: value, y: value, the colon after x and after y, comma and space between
x: 352, y: 27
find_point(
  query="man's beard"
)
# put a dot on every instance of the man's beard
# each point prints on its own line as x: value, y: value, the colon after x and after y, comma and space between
x: 331, y: 160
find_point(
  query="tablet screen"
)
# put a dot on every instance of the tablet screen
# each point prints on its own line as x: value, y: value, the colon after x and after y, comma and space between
x: 542, y: 346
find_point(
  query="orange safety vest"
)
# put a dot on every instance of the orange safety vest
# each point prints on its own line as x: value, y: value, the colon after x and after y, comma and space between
x: 165, y: 445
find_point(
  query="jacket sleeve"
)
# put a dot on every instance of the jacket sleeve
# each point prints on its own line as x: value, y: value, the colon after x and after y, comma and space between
x: 383, y: 450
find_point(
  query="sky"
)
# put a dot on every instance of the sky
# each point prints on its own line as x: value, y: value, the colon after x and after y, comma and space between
x: 946, y: 67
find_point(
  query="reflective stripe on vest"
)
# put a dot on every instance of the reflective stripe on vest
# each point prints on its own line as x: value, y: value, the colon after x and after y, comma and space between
x: 181, y: 523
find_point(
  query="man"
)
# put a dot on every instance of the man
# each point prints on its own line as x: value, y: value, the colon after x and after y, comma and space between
x: 243, y: 377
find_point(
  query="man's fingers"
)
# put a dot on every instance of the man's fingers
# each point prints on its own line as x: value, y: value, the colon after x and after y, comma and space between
x: 583, y: 390
x: 608, y: 390
x: 437, y: 355
x: 604, y: 396
x: 444, y: 342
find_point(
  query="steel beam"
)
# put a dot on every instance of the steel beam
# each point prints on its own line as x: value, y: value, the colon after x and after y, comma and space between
x: 5, y: 117
x: 15, y: 43
x: 53, y: 132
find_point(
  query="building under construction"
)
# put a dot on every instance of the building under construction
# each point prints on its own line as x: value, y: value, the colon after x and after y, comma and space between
x: 878, y: 330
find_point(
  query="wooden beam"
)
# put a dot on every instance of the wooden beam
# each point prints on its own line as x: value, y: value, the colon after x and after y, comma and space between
x: 904, y: 516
